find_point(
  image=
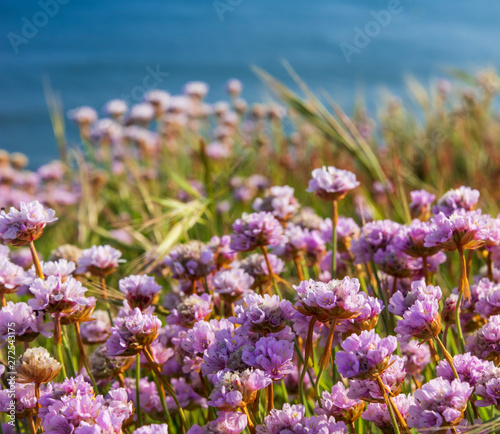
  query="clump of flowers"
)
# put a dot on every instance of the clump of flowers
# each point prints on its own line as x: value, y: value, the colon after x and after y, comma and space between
x: 140, y: 291
x: 19, y: 227
x: 462, y: 198
x: 338, y: 404
x: 191, y: 310
x: 330, y: 183
x: 256, y: 230
x: 279, y: 201
x: 485, y: 343
x: 190, y: 261
x: 99, y: 261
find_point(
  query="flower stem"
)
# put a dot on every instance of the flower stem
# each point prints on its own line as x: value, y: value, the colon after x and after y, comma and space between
x: 298, y: 266
x: 463, y: 281
x: 168, y: 387
x: 489, y: 264
x: 31, y: 424
x: 447, y: 356
x: 58, y: 340
x: 335, y: 218
x: 68, y: 355
x: 459, y: 324
x: 425, y: 267
x: 137, y: 390
x: 250, y: 424
x: 284, y: 391
x: 389, y: 406
x: 83, y: 356
x: 309, y: 339
x: 270, y: 269
x: 325, y: 358
x: 36, y: 261
x: 270, y: 397
x: 105, y: 296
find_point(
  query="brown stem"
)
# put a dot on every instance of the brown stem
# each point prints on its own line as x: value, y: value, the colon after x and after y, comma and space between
x: 2, y: 298
x: 399, y: 417
x: 270, y: 397
x: 425, y: 267
x: 57, y: 328
x: 489, y: 264
x: 327, y: 352
x: 270, y: 269
x: 36, y: 261
x: 418, y: 384
x: 463, y: 281
x: 394, y: 285
x: 250, y: 424
x: 307, y: 351
x: 388, y: 405
x: 193, y: 287
x: 298, y: 266
x: 104, y: 288
x: 352, y: 428
x: 121, y: 380
x: 434, y: 354
x: 31, y: 424
x: 447, y: 356
x: 83, y: 356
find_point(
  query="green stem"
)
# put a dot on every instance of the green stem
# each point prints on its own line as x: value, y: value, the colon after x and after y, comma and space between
x: 389, y: 406
x: 137, y: 390
x: 335, y: 217
x: 458, y: 324
x: 68, y: 356
x: 308, y: 345
x: 83, y: 356
x: 284, y: 391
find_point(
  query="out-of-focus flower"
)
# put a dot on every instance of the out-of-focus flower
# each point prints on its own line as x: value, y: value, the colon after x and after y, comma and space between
x: 232, y: 284
x: 380, y: 417
x: 11, y: 277
x: 279, y: 201
x: 347, y: 230
x: 234, y: 87
x: 485, y: 343
x: 301, y: 243
x: 439, y: 403
x: 337, y: 404
x: 99, y: 261
x: 330, y: 183
x: 19, y: 227
x: 131, y: 334
x: 256, y: 230
x: 98, y: 330
x: 106, y: 366
x: 255, y: 265
x: 227, y: 422
x: 420, y: 205
x: 190, y: 261
x: 115, y: 108
x: 374, y: 236
x: 366, y: 320
x: 192, y: 309
x: 462, y: 198
x: 37, y: 366
x: 238, y: 389
x: 152, y: 429
x: 416, y: 356
x: 470, y: 369
x: 488, y: 303
x: 365, y: 356
x: 20, y: 318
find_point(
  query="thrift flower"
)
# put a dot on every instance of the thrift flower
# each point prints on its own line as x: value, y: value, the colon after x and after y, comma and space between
x: 256, y: 230
x: 330, y: 183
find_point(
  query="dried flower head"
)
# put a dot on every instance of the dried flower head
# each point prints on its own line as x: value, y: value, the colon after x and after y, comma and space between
x: 37, y: 366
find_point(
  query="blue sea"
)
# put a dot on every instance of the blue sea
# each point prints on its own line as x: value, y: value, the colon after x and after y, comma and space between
x: 95, y: 50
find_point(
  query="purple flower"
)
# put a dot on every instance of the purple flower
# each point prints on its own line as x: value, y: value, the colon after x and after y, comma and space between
x: 237, y: 389
x: 140, y: 291
x: 192, y: 309
x: 226, y: 423
x: 279, y: 201
x: 99, y: 260
x: 152, y: 429
x: 263, y: 314
x: 420, y: 205
x: 190, y: 261
x: 199, y: 339
x: 399, y: 303
x: 11, y: 276
x: 488, y: 303
x: 131, y: 334
x: 366, y: 320
x: 256, y: 230
x: 365, y: 356
x: 490, y: 391
x: 369, y: 390
x: 485, y: 343
x: 291, y: 420
x: 347, y: 229
x: 337, y: 404
x: 221, y: 247
x: 467, y: 229
x: 301, y: 243
x: 97, y: 331
x: 416, y: 356
x: 225, y: 354
x: 307, y: 218
x: 330, y: 183
x: 83, y: 115
x: 19, y: 227
x: 439, y: 403
x: 470, y: 369
x: 380, y: 417
x: 421, y: 320
x: 27, y: 325
x: 395, y: 262
x: 271, y: 355
x: 462, y: 198
x: 255, y: 265
x: 24, y: 398
x: 374, y: 236
x: 55, y: 296
x: 232, y: 284
x: 411, y: 240
x: 337, y: 299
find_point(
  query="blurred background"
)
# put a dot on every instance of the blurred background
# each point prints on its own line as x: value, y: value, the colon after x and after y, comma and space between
x: 93, y: 51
